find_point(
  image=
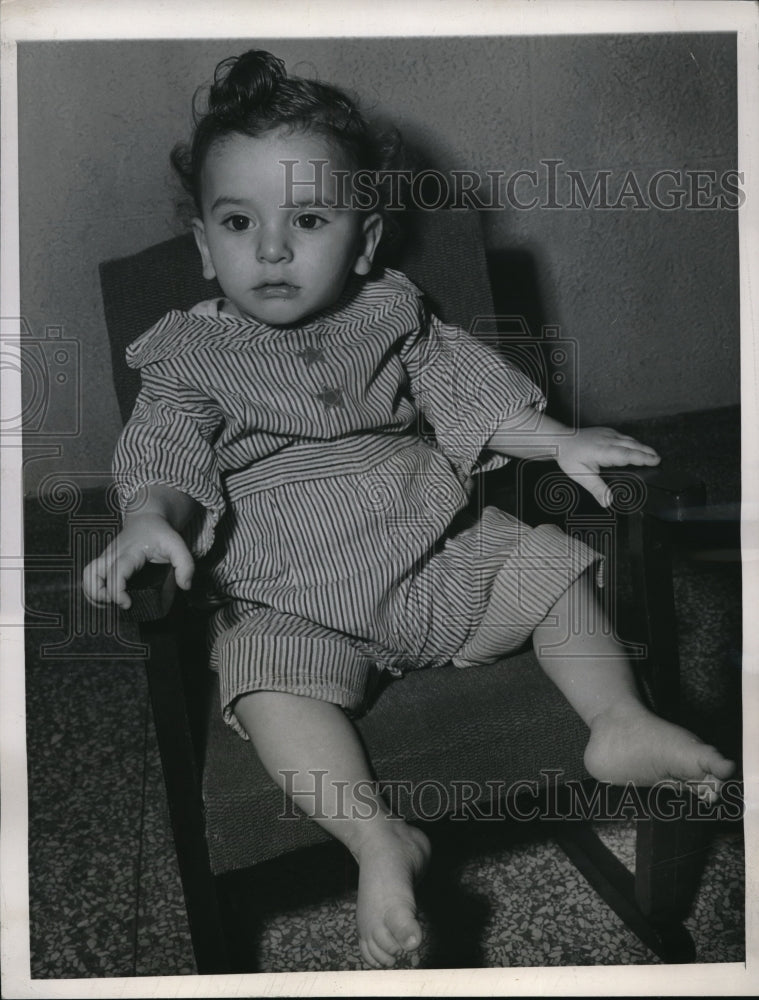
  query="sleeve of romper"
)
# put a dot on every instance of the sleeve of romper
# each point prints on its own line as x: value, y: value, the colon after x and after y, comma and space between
x: 169, y: 440
x: 465, y: 389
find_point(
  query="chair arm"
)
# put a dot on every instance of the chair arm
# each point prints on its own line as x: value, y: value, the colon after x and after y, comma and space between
x: 669, y: 493
x: 152, y: 592
x: 665, y: 492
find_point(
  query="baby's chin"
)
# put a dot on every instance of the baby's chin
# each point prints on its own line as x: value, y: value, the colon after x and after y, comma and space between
x: 279, y: 313
x: 230, y: 308
x: 289, y: 305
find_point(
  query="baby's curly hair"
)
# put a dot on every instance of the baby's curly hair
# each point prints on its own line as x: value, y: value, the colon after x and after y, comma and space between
x: 252, y: 94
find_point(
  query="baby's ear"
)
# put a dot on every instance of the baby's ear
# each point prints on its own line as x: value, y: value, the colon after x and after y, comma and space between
x: 371, y: 234
x: 199, y: 232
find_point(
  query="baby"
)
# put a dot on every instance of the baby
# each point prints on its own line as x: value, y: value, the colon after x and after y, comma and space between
x: 276, y: 435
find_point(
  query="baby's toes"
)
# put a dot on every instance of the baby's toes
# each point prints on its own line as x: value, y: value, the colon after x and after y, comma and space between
x: 709, y: 787
x: 366, y: 954
x: 709, y: 768
x: 376, y: 955
x: 687, y: 758
x: 706, y: 773
x: 404, y: 928
x: 716, y: 765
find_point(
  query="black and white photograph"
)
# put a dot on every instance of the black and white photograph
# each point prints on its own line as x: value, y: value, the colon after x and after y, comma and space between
x: 379, y: 495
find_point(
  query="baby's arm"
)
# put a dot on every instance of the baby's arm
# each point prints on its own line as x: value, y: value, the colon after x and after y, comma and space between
x: 580, y: 454
x: 150, y: 534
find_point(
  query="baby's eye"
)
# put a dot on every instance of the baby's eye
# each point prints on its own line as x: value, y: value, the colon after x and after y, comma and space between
x: 309, y: 221
x: 238, y: 223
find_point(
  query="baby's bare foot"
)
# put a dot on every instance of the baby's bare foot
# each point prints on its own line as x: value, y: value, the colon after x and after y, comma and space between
x: 628, y: 743
x: 392, y: 856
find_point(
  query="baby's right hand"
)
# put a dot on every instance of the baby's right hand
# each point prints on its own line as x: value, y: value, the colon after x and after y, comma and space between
x: 145, y: 538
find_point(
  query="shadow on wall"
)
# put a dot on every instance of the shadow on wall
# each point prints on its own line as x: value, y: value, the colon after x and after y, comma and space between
x: 518, y: 329
x: 523, y: 335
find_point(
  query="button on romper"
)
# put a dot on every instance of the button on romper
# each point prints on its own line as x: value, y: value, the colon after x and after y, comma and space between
x: 334, y: 532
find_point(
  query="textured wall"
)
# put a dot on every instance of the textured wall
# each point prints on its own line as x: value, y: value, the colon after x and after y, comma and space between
x: 650, y: 296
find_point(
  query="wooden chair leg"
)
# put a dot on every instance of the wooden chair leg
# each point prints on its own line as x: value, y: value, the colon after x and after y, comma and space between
x: 184, y: 795
x: 670, y: 857
x: 617, y: 886
x: 651, y: 563
x: 670, y: 853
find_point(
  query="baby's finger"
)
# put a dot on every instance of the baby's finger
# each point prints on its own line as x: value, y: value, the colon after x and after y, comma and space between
x: 120, y: 570
x: 597, y: 488
x: 618, y: 455
x: 94, y: 582
x: 635, y: 456
x: 630, y: 442
x: 179, y: 556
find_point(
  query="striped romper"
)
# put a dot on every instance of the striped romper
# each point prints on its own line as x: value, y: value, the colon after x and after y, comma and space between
x: 337, y: 536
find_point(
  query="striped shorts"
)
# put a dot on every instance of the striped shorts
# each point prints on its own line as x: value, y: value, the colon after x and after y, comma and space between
x: 474, y: 598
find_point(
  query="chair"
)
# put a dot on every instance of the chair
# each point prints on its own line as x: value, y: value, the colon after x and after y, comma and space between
x: 490, y: 724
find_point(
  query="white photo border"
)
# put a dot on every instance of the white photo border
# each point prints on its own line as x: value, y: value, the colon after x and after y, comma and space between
x: 63, y: 20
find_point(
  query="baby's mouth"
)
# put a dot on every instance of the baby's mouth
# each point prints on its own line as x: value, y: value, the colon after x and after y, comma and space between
x: 275, y: 289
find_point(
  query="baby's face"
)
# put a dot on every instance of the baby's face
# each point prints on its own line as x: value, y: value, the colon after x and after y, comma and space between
x: 276, y: 264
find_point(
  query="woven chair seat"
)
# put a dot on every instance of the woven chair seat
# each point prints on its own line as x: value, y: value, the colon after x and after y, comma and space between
x: 428, y: 734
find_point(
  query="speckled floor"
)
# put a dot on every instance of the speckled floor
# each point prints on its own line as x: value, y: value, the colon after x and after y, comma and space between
x: 105, y: 893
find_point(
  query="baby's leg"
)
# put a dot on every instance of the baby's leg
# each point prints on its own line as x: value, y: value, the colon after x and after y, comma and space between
x: 627, y: 741
x: 303, y: 735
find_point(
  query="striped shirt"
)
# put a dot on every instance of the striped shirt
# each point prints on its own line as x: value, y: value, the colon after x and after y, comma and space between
x: 229, y: 406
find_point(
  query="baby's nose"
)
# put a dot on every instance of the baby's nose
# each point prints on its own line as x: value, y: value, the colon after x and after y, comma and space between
x: 273, y: 247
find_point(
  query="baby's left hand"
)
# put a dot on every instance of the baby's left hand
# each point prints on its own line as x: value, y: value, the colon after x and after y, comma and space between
x: 583, y: 455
